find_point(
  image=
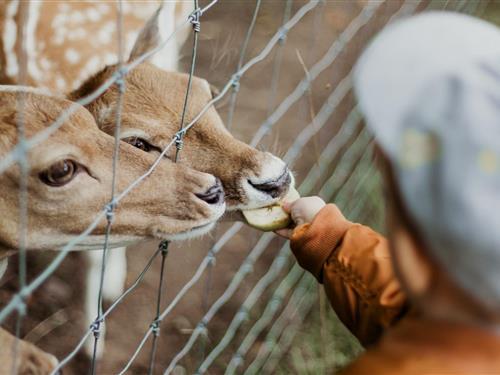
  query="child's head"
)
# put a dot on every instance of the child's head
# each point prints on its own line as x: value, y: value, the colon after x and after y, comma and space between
x: 429, y: 88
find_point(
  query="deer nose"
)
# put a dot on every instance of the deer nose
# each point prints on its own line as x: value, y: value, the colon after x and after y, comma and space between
x: 276, y: 187
x: 213, y: 195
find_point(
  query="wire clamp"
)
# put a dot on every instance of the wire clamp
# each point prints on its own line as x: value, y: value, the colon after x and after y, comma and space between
x: 96, y: 327
x: 235, y: 82
x: 163, y: 247
x: 211, y: 257
x: 194, y: 18
x: 242, y: 315
x: 283, y: 35
x: 155, y: 327
x: 20, y: 301
x: 202, y: 327
x: 120, y: 79
x: 109, y: 210
x: 179, y: 139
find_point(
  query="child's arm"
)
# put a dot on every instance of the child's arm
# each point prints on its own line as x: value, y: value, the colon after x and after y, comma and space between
x: 352, y: 261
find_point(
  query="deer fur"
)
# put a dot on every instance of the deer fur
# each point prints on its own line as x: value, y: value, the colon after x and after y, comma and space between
x: 66, y: 42
x: 165, y: 205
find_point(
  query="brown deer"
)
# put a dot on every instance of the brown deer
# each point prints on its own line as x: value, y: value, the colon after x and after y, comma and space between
x: 152, y: 108
x: 69, y: 183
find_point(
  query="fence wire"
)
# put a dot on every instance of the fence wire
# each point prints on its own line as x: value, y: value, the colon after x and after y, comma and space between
x: 96, y: 325
x: 255, y: 295
x: 355, y: 169
x: 272, y: 350
x: 17, y: 299
x: 245, y: 269
x: 322, y: 117
x: 179, y: 144
x: 23, y: 183
x: 17, y: 302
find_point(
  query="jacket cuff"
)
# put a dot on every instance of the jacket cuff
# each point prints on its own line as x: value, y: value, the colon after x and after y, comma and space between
x: 312, y: 243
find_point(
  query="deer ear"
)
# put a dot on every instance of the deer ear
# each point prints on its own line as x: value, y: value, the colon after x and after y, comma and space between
x: 159, y: 28
x: 149, y: 37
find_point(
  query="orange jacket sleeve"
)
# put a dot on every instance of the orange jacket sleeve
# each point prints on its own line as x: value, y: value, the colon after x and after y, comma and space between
x: 353, y: 262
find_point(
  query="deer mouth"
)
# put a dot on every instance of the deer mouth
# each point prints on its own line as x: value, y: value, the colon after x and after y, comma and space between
x: 194, y: 232
x: 262, y: 192
x: 201, y: 227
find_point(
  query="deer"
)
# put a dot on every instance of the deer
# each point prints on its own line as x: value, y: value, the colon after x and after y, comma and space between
x: 69, y: 182
x: 151, y: 112
x: 68, y: 41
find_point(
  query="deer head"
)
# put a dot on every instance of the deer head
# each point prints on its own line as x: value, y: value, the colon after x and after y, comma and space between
x: 152, y: 109
x: 70, y: 178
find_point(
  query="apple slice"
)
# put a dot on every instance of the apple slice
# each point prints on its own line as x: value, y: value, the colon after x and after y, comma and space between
x: 273, y: 217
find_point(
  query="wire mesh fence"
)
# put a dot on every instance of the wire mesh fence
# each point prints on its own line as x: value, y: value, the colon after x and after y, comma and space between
x: 268, y: 317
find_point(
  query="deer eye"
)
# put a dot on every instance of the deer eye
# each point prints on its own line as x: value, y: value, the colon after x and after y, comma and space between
x: 139, y: 143
x: 60, y: 173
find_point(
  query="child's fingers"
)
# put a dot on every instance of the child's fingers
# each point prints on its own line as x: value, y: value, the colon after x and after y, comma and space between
x: 305, y: 209
x: 302, y: 210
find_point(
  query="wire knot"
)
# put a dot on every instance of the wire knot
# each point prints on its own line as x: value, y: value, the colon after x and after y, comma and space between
x: 242, y: 314
x: 23, y: 145
x: 194, y: 18
x: 202, y: 327
x: 23, y: 148
x: 155, y: 327
x: 109, y: 210
x: 120, y: 79
x: 96, y: 327
x: 179, y: 139
x: 211, y: 257
x: 235, y: 82
x: 21, y: 302
x: 163, y: 246
x: 283, y: 35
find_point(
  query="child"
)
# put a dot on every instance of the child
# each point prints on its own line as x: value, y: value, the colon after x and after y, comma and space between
x: 429, y: 88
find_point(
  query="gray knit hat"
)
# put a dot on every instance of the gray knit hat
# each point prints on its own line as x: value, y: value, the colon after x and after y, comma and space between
x: 429, y: 87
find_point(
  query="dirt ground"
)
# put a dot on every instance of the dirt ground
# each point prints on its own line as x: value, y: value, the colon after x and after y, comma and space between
x: 55, y: 311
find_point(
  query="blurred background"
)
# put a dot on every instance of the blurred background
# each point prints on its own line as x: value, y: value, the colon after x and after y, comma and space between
x: 297, y: 332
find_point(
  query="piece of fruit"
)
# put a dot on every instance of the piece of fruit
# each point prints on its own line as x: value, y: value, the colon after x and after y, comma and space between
x: 272, y: 217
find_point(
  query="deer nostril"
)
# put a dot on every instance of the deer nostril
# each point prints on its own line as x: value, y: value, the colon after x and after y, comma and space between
x: 214, y: 195
x: 274, y: 188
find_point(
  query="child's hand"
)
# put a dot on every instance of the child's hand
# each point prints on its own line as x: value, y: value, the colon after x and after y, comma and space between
x: 303, y: 210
